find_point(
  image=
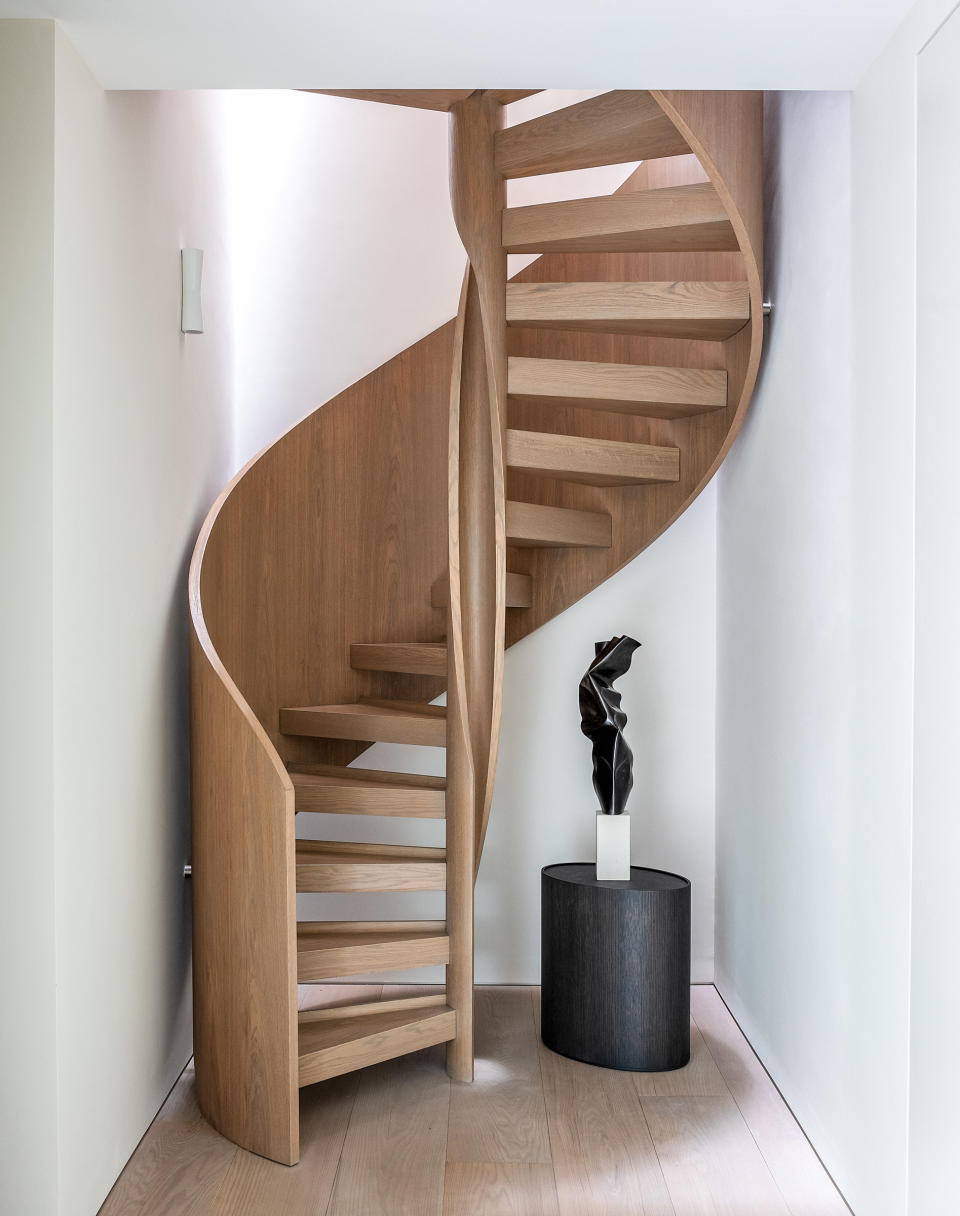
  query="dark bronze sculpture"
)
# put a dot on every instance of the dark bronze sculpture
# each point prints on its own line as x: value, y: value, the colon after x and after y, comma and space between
x: 602, y: 721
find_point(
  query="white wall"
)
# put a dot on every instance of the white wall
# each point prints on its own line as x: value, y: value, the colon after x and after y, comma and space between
x: 816, y: 672
x: 141, y: 446
x: 344, y: 245
x: 935, y: 990
x: 28, y: 1008
x: 793, y: 877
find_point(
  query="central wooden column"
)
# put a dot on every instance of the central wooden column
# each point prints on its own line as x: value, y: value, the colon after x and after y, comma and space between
x: 477, y: 537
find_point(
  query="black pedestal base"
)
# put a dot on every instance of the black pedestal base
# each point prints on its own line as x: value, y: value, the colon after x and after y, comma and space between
x: 616, y: 967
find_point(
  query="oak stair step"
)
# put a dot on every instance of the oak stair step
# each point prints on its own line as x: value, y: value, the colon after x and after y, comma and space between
x: 623, y: 388
x: 700, y: 310
x: 326, y: 949
x: 331, y: 789
x: 337, y: 865
x: 519, y: 591
x: 370, y: 721
x: 532, y: 525
x: 338, y: 1040
x: 595, y: 462
x: 672, y: 219
x: 423, y: 99
x: 618, y: 126
x: 409, y: 658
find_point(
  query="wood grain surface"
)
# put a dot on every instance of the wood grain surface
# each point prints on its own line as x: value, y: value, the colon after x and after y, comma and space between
x: 594, y: 462
x: 244, y: 910
x: 535, y: 525
x: 331, y: 789
x: 609, y: 129
x: 411, y: 658
x: 701, y: 310
x: 326, y: 949
x: 369, y: 721
x: 673, y: 219
x: 501, y: 1117
x: 651, y: 392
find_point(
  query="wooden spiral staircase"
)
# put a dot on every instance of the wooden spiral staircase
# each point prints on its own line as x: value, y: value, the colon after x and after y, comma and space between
x: 389, y: 546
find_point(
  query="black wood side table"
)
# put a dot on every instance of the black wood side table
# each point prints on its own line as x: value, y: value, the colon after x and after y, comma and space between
x: 616, y: 967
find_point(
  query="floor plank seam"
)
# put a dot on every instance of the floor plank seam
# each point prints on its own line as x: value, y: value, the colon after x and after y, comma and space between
x: 328, y: 1206
x: 745, y: 1120
x: 446, y: 1146
x: 546, y: 1114
x: 656, y: 1153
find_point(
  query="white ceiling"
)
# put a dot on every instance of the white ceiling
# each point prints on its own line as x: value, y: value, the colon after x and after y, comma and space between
x: 779, y: 44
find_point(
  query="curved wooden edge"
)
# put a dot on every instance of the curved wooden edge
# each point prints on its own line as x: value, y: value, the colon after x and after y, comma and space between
x: 244, y: 895
x: 461, y: 780
x: 725, y: 131
x: 199, y: 625
x: 496, y: 388
x: 456, y: 672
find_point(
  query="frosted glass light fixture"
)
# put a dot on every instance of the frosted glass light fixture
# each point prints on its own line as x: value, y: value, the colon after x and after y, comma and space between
x: 191, y: 272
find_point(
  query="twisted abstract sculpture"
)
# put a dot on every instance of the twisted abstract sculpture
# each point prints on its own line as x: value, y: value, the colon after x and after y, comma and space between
x: 602, y: 721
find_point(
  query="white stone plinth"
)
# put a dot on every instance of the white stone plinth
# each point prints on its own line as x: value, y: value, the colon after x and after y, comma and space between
x: 613, y: 848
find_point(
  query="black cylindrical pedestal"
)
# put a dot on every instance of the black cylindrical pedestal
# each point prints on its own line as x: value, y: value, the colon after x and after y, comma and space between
x: 616, y: 967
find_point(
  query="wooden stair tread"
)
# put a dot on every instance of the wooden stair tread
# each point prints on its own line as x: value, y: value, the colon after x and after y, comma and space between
x: 533, y: 525
x: 423, y: 99
x: 360, y: 1009
x: 672, y: 219
x: 396, y: 705
x: 359, y: 791
x: 358, y: 1036
x: 654, y: 392
x: 369, y: 721
x: 701, y: 310
x: 597, y: 462
x: 348, y: 852
x: 325, y: 865
x: 411, y: 658
x: 519, y: 591
x: 618, y: 126
x: 333, y: 776
x: 418, y: 99
x: 326, y: 949
x: 507, y: 97
x: 330, y: 935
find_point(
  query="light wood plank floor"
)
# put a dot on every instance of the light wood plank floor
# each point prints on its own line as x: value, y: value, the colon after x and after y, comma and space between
x: 535, y: 1135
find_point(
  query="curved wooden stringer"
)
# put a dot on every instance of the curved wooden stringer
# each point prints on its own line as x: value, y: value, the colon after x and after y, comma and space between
x: 461, y: 495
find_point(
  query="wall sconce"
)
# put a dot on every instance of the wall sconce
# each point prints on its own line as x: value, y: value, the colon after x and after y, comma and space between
x: 191, y: 272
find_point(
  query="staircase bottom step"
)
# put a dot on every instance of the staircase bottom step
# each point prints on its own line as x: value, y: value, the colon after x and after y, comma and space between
x: 340, y: 1040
